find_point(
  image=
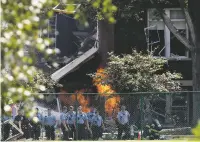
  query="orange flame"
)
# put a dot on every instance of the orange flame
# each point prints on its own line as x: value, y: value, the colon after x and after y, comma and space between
x: 111, y: 104
x: 83, y: 101
x: 71, y: 99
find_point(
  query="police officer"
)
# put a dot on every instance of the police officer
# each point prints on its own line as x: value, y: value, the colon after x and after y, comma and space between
x: 50, y: 125
x: 36, y: 123
x: 64, y: 125
x: 97, y: 126
x: 123, y: 123
x: 90, y: 115
x: 23, y: 123
x: 71, y: 116
x: 82, y: 124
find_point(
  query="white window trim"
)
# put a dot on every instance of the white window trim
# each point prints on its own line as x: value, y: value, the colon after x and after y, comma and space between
x: 167, y: 37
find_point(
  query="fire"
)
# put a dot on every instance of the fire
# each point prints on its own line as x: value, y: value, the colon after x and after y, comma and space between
x: 71, y: 99
x: 111, y: 104
x: 83, y: 101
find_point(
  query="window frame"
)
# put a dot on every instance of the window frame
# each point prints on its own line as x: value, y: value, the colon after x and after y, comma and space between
x: 167, y: 35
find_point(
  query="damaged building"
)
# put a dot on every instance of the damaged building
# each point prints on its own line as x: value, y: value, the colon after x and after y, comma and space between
x: 82, y: 53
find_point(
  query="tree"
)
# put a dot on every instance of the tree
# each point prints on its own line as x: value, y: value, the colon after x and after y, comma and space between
x: 192, y: 44
x: 136, y: 9
x: 21, y: 80
x: 138, y: 72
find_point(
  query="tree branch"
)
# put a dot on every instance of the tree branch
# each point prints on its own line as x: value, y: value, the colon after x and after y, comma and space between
x: 188, y: 20
x: 157, y: 113
x: 172, y: 28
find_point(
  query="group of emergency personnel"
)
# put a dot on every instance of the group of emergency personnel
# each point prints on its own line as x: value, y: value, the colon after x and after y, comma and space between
x: 75, y: 125
x: 80, y: 125
x: 29, y: 127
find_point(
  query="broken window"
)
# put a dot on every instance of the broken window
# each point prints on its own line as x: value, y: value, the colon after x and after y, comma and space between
x: 167, y: 45
x: 156, y: 42
x: 177, y: 48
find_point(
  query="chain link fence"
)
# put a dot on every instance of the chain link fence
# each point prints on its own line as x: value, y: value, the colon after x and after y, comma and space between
x: 151, y: 115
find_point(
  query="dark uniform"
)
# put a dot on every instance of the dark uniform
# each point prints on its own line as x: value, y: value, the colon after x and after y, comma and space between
x: 50, y: 123
x: 37, y: 126
x: 123, y: 124
x: 5, y: 128
x: 97, y: 124
x: 25, y: 125
x: 63, y: 118
x: 81, y: 120
x: 152, y: 131
x: 71, y: 116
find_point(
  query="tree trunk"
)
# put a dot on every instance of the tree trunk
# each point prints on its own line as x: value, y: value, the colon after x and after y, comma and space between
x: 106, y: 40
x: 168, y: 109
x: 105, y: 33
x: 194, y: 13
x: 196, y: 84
x: 148, y: 116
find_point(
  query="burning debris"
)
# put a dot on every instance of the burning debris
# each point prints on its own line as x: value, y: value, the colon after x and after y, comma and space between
x: 104, y: 90
x: 71, y: 99
x: 112, y: 102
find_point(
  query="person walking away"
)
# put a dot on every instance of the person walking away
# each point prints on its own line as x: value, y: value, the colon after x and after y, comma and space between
x: 97, y: 126
x: 37, y: 124
x: 23, y: 123
x: 71, y: 121
x: 64, y: 125
x: 123, y: 123
x: 14, y: 109
x: 50, y: 125
x: 82, y: 124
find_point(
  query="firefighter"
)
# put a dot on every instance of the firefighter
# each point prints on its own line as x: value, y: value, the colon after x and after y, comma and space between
x: 97, y: 126
x: 71, y: 116
x: 82, y: 124
x: 23, y: 123
x: 123, y: 117
x: 50, y: 125
x: 36, y: 123
x: 154, y: 130
x: 64, y: 125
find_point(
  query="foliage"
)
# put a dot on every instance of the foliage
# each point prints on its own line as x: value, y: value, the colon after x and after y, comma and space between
x: 135, y: 9
x: 137, y: 72
x: 43, y: 79
x: 196, y: 131
x: 101, y: 9
x: 20, y: 34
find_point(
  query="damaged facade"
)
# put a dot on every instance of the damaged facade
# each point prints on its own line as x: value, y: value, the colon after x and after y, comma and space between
x: 83, y: 53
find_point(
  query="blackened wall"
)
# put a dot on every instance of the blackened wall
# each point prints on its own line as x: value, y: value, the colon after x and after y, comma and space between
x: 65, y: 40
x: 183, y: 67
x: 79, y: 79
